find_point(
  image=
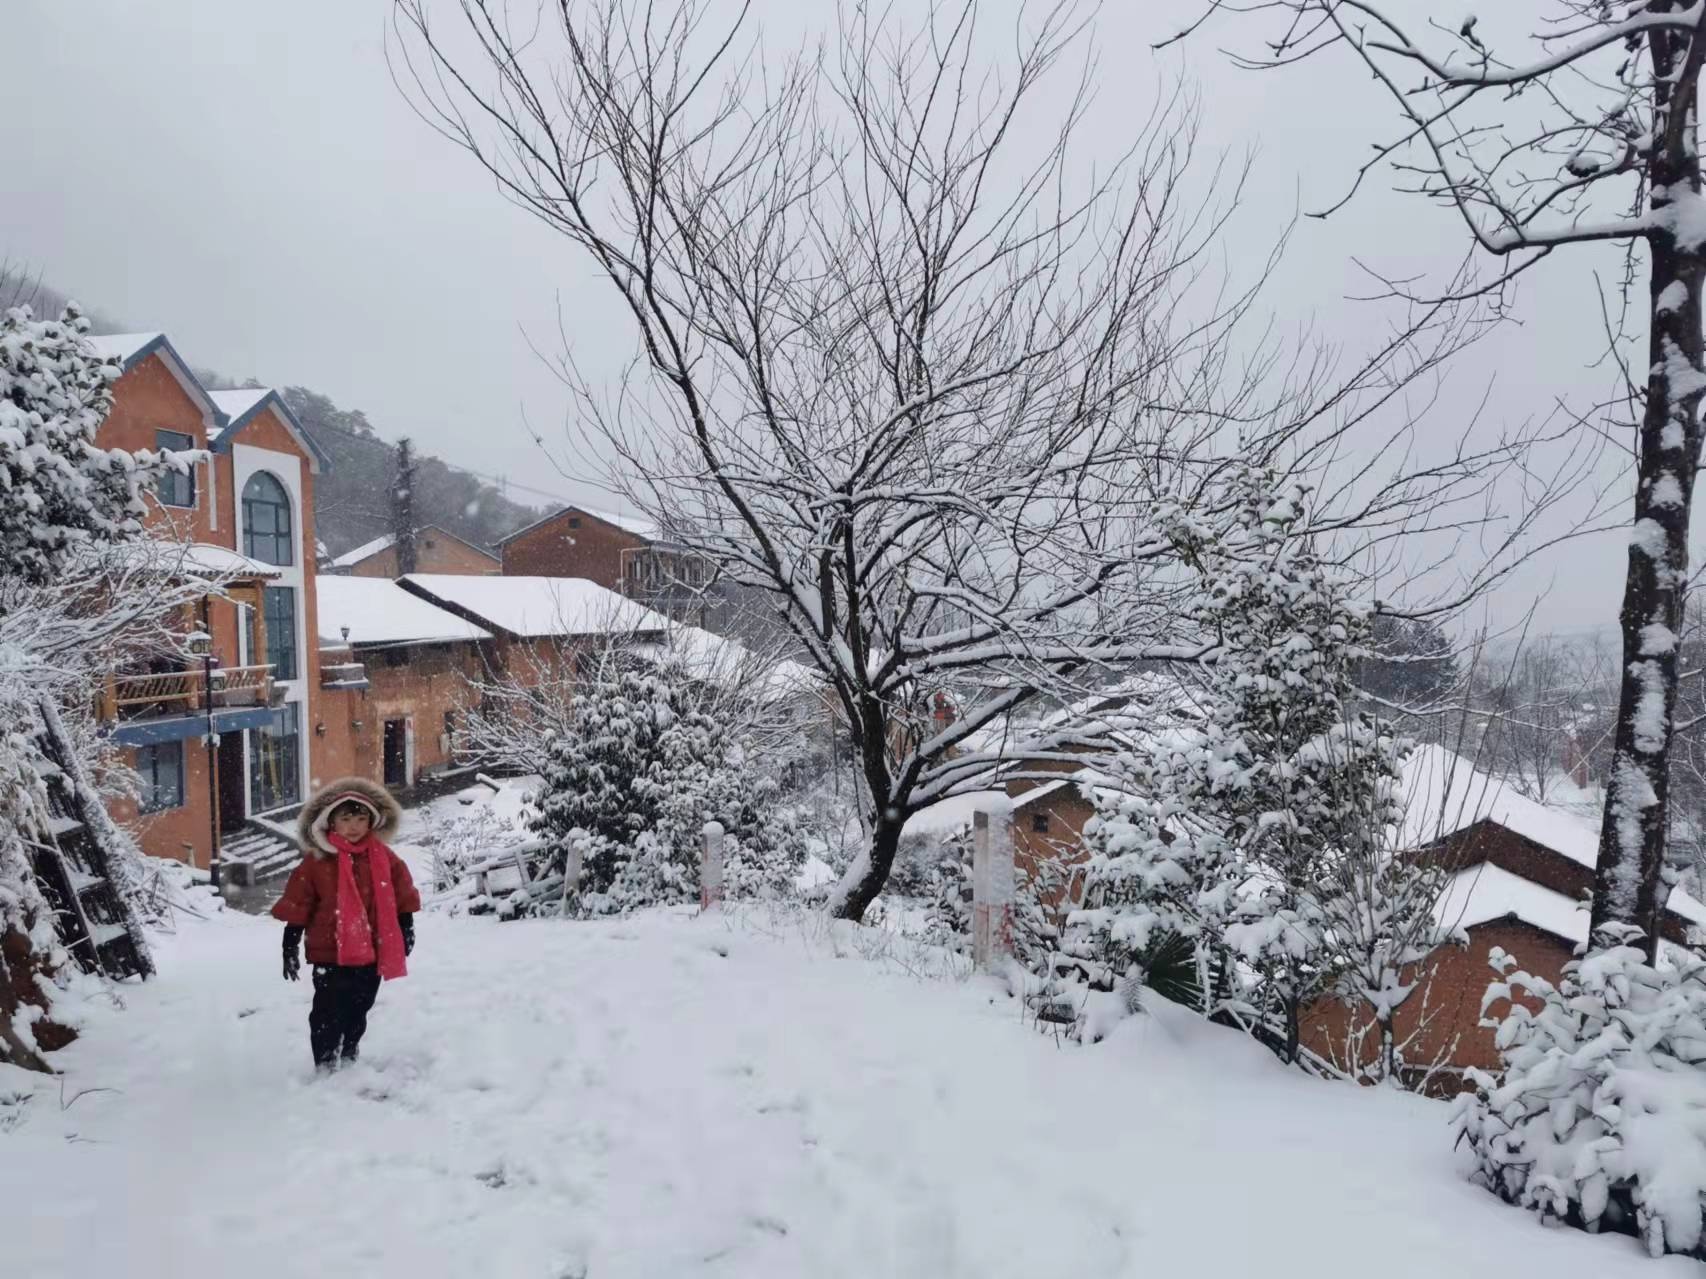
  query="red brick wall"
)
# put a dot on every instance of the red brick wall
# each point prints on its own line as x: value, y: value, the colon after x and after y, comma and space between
x: 1065, y: 811
x: 166, y: 833
x: 553, y: 549
x: 1445, y: 1010
x: 432, y: 679
x: 148, y: 399
x: 434, y: 553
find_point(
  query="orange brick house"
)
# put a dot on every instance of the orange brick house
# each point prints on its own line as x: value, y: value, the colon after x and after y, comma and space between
x: 626, y: 553
x: 399, y: 676
x: 221, y: 740
x: 437, y: 550
x: 1520, y: 874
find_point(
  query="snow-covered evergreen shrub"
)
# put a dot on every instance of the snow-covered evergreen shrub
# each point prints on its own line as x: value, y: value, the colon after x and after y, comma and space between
x: 64, y: 607
x: 1238, y: 830
x: 58, y: 491
x: 645, y: 764
x: 1600, y: 1119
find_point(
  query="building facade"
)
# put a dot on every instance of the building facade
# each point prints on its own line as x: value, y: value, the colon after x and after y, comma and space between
x: 437, y: 550
x: 220, y: 739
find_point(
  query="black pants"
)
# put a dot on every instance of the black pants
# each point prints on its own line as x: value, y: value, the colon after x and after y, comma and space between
x: 338, y: 1018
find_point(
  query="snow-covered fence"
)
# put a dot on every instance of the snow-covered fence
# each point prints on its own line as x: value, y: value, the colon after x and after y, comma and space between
x: 711, y: 867
x: 992, y: 886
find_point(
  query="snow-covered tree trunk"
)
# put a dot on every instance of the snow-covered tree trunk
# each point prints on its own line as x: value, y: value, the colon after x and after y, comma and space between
x: 1630, y: 883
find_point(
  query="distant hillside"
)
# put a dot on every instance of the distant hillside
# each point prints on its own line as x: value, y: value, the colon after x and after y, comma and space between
x: 350, y: 499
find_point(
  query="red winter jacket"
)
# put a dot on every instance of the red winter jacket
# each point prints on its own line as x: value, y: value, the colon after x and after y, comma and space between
x: 310, y: 899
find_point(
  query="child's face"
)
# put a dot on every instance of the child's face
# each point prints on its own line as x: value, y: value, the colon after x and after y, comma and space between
x: 352, y: 823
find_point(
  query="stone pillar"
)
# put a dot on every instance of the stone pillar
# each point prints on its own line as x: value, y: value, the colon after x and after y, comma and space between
x: 711, y: 867
x: 992, y: 886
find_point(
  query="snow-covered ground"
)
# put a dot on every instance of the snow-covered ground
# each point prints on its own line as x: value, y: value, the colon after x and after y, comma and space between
x: 754, y: 1097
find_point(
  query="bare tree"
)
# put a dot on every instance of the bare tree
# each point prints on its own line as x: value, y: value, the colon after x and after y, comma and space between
x: 1586, y: 133
x: 907, y: 371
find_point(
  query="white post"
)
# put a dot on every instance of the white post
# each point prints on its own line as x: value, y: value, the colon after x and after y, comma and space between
x: 572, y: 874
x: 992, y: 886
x: 711, y: 867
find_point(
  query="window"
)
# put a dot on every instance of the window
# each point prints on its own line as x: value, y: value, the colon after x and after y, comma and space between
x: 162, y: 770
x: 266, y: 520
x: 396, y: 656
x: 1039, y: 823
x: 275, y: 762
x: 176, y: 488
x: 574, y: 521
x: 281, y: 631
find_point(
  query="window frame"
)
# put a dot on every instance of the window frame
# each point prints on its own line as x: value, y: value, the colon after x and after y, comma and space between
x: 174, y: 477
x: 281, y: 540
x: 148, y: 760
x: 281, y: 639
x: 290, y: 790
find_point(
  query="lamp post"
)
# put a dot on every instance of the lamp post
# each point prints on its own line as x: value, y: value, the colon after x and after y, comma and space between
x: 211, y: 738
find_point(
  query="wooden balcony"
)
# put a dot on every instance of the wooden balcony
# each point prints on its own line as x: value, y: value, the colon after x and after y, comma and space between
x: 182, y: 692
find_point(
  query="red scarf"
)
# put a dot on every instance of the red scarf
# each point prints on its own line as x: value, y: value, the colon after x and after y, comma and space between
x: 356, y: 942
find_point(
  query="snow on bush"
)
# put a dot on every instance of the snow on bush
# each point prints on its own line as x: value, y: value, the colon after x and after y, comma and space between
x: 1258, y: 829
x: 644, y: 765
x: 1600, y: 1118
x: 67, y: 604
x: 58, y: 491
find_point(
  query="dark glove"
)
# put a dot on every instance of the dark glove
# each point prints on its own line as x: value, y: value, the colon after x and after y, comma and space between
x: 292, y: 961
x: 407, y: 924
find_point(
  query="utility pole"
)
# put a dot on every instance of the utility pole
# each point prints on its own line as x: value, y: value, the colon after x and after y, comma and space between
x: 403, y: 507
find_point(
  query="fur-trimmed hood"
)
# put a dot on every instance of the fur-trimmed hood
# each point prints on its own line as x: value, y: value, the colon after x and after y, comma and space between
x: 311, y: 822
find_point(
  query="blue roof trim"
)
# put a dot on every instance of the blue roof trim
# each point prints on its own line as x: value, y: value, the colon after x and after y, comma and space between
x: 229, y: 427
x: 180, y: 728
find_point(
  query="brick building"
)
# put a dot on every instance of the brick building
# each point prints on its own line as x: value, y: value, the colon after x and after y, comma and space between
x: 620, y: 553
x: 437, y: 550
x: 393, y: 699
x: 1520, y: 876
x: 220, y: 741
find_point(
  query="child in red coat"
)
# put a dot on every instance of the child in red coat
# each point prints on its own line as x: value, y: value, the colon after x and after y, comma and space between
x: 355, y: 900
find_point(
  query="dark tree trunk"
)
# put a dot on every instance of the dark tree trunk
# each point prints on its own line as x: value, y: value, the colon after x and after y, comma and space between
x: 1628, y: 884
x: 885, y: 840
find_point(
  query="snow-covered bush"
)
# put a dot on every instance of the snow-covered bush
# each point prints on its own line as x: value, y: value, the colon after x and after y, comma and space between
x: 643, y: 766
x: 71, y: 600
x: 1600, y: 1119
x: 58, y: 491
x: 1250, y: 828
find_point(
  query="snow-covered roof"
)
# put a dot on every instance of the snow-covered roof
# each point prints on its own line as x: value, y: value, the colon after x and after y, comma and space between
x: 238, y: 403
x: 1484, y: 893
x: 194, y: 559
x: 380, y: 612
x: 239, y: 407
x: 530, y: 607
x: 125, y: 347
x: 640, y: 525
x: 946, y: 816
x: 1445, y: 793
x: 349, y: 559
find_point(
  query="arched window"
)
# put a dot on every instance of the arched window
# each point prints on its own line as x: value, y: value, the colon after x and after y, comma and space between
x: 266, y: 520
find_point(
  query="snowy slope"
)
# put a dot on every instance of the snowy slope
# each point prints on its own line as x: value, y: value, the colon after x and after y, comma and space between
x: 674, y: 1097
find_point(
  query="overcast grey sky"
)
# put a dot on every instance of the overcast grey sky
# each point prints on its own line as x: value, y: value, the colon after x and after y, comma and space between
x: 245, y: 176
